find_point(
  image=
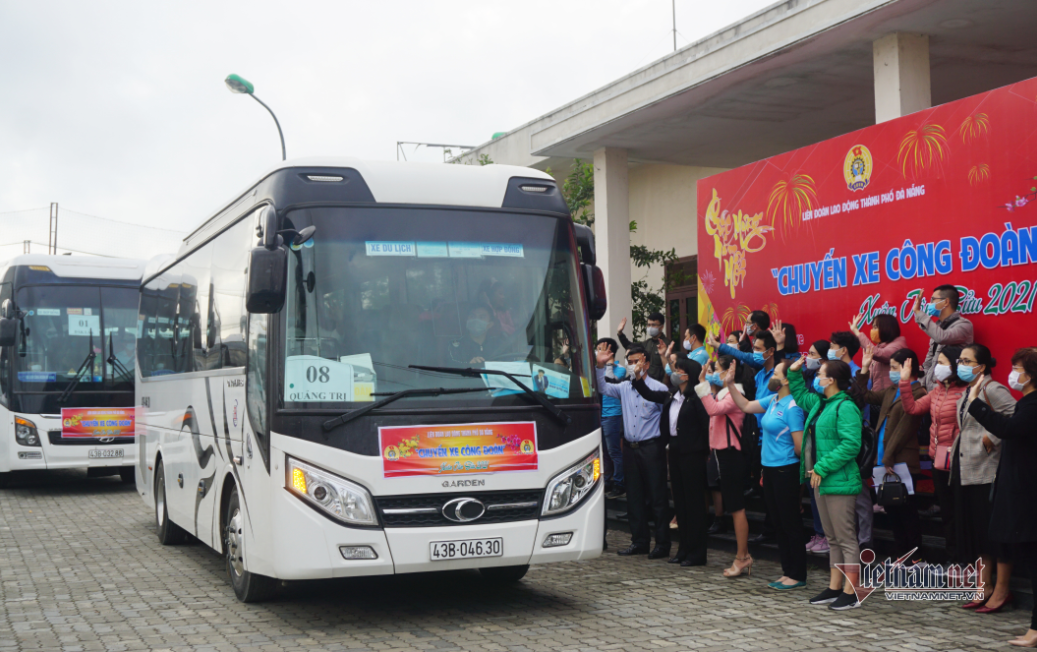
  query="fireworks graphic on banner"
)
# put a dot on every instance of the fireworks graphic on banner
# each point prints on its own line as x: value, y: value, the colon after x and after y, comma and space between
x: 974, y: 126
x: 921, y: 148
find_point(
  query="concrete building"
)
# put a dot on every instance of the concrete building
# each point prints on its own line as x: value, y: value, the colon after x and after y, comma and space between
x: 795, y: 73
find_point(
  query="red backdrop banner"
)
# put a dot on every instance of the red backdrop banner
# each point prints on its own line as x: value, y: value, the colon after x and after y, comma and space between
x: 864, y: 222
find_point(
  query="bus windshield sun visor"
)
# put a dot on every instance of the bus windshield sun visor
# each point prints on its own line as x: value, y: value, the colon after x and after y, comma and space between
x: 331, y: 424
x: 555, y: 411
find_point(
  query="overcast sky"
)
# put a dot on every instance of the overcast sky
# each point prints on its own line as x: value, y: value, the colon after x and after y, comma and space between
x: 118, y: 109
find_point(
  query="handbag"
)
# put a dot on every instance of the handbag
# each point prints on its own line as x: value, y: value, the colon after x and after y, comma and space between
x: 892, y: 492
x: 942, y: 460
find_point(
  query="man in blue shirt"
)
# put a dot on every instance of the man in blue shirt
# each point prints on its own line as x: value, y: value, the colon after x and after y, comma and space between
x: 612, y: 426
x: 844, y: 345
x: 761, y: 358
x: 694, y: 344
x: 644, y: 452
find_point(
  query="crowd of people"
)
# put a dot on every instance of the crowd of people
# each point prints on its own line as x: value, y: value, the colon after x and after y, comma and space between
x: 710, y: 422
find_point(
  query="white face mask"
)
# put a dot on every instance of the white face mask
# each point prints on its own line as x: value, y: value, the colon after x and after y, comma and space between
x: 1013, y: 381
x: 653, y: 331
x: 687, y: 345
x: 942, y: 372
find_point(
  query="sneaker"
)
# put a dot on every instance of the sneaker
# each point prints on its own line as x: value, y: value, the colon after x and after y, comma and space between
x: 616, y: 494
x: 812, y: 543
x: 845, y: 602
x: 822, y: 545
x: 828, y: 596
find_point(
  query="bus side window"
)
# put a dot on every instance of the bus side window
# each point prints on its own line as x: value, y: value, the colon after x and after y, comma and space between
x: 229, y: 279
x: 5, y: 361
x: 256, y: 394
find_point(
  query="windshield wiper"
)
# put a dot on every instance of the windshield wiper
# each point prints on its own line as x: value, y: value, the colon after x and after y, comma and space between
x: 88, y: 362
x: 555, y: 411
x: 117, y: 366
x: 331, y: 424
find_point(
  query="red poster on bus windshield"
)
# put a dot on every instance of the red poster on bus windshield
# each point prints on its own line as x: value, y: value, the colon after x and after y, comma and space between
x: 865, y: 222
x: 458, y: 448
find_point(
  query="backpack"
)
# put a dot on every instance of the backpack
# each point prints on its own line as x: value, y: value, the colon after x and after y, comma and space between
x: 869, y: 446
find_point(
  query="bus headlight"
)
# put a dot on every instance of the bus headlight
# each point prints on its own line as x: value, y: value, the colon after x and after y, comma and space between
x: 338, y: 497
x: 25, y: 432
x: 569, y: 487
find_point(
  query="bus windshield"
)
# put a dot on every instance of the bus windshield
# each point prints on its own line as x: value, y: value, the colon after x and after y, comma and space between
x: 54, y: 338
x: 381, y: 288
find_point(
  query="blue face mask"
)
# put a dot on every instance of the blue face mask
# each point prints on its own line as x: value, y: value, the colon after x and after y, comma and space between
x: 668, y: 370
x: 894, y: 377
x: 758, y: 358
x: 932, y: 310
x: 817, y: 386
x: 832, y: 355
x: 968, y: 374
x: 714, y: 379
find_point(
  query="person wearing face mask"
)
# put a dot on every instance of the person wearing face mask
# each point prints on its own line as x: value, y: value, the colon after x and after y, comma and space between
x: 949, y: 328
x: 974, y: 461
x: 817, y: 353
x: 695, y: 344
x: 782, y: 439
x: 476, y: 345
x: 612, y: 426
x: 897, y: 431
x: 1013, y: 519
x: 644, y: 453
x: 725, y: 440
x: 685, y: 424
x: 941, y: 405
x: 885, y: 340
x: 831, y: 441
x: 843, y: 346
x: 654, y: 344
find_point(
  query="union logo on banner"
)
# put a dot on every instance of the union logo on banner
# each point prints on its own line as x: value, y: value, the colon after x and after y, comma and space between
x: 857, y: 167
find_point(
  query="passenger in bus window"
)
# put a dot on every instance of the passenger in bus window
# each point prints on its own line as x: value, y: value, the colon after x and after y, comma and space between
x: 476, y: 345
x: 496, y: 301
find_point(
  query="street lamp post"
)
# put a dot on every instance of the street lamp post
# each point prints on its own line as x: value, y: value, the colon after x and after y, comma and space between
x: 238, y: 84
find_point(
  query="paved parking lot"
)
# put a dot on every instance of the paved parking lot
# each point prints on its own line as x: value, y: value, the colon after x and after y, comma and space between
x: 81, y: 569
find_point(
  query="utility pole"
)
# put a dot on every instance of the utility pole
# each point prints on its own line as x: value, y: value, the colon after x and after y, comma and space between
x: 52, y: 239
x: 673, y: 5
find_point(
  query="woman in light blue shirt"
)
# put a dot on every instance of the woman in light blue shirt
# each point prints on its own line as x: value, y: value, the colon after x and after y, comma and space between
x: 782, y: 428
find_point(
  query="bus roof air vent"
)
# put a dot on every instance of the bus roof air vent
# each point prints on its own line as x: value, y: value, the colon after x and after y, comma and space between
x: 327, y: 178
x: 537, y: 194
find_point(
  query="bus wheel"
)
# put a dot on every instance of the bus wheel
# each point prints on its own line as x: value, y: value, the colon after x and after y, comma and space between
x: 128, y: 474
x: 248, y: 587
x: 169, y: 533
x: 504, y: 574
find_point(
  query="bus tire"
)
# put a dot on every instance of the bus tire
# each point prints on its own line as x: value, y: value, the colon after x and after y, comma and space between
x: 503, y: 574
x: 248, y: 587
x: 169, y: 533
x: 128, y: 474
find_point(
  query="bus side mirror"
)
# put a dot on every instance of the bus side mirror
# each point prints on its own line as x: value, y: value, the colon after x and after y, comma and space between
x: 594, y: 288
x: 8, y: 331
x: 267, y: 280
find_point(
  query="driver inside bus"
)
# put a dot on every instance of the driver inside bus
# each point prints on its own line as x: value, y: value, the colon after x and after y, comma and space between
x: 475, y: 345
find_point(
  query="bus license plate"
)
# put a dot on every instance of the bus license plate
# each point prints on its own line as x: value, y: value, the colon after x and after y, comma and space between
x: 467, y: 549
x: 105, y: 453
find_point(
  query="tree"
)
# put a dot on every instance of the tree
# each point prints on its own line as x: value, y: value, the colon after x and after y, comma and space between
x: 578, y: 192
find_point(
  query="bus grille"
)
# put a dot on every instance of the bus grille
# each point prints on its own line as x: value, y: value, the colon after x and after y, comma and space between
x: 57, y: 440
x: 501, y: 507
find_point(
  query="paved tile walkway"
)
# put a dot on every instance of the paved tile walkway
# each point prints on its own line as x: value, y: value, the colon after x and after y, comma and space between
x: 80, y: 569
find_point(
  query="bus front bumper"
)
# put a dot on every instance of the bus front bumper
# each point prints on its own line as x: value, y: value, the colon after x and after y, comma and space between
x: 311, y: 545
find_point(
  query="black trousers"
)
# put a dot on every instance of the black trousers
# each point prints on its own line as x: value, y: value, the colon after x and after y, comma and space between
x: 907, y: 526
x: 645, y: 471
x: 945, y: 497
x: 688, y: 482
x: 781, y: 491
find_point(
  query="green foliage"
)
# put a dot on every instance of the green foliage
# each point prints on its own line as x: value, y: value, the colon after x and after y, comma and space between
x: 578, y: 192
x: 484, y: 159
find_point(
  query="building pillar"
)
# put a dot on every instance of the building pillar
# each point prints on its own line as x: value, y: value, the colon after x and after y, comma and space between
x: 901, y: 75
x: 612, y: 234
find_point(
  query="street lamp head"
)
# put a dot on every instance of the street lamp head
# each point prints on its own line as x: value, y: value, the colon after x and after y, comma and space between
x: 238, y: 84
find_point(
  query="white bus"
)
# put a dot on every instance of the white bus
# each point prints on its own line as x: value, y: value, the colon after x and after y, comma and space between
x: 372, y: 368
x: 68, y: 328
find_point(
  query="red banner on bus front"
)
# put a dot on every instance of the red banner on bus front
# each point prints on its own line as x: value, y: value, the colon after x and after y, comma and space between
x: 97, y: 422
x: 458, y: 448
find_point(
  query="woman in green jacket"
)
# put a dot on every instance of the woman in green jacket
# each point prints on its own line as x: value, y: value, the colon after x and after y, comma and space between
x: 831, y: 442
